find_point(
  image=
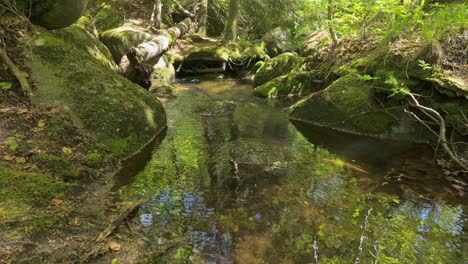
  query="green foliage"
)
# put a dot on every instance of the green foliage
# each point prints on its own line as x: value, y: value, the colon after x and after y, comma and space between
x: 367, y: 77
x: 397, y: 90
x: 5, y: 85
x: 94, y: 160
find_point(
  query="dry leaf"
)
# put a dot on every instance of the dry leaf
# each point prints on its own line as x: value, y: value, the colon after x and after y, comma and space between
x: 41, y: 123
x: 8, y: 157
x: 114, y: 246
x: 66, y: 151
x: 56, y: 202
x: 20, y: 160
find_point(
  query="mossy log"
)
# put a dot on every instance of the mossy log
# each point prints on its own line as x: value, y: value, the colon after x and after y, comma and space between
x: 137, y: 64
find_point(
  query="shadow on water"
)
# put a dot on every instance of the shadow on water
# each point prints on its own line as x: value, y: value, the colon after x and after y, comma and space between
x: 244, y: 185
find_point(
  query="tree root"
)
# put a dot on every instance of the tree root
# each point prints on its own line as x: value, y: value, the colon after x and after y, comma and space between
x: 435, y: 116
x: 20, y: 75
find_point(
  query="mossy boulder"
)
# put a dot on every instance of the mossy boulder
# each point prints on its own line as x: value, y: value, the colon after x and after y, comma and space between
x: 55, y: 14
x: 106, y: 14
x: 75, y: 71
x: 293, y: 84
x: 277, y: 41
x: 349, y: 104
x: 316, y: 42
x: 163, y: 70
x: 275, y: 67
x: 119, y: 40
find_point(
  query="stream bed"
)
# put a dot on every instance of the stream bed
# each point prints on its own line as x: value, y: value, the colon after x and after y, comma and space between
x: 234, y: 181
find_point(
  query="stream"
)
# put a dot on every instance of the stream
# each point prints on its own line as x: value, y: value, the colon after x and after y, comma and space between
x: 239, y: 183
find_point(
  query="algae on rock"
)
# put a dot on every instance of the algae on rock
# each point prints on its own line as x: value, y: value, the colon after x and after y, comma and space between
x: 79, y: 76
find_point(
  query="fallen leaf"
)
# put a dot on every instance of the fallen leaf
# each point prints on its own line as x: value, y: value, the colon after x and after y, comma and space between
x: 66, y: 151
x: 56, y: 202
x: 8, y: 157
x: 41, y: 123
x: 114, y: 246
x: 20, y: 160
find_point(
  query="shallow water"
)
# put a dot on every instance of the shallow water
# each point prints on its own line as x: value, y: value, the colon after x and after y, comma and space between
x: 239, y: 183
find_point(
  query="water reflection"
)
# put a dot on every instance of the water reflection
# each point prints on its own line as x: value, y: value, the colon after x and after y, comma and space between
x: 236, y: 178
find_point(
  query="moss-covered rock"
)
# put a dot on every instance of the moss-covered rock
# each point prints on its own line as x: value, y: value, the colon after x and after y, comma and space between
x: 293, y: 84
x: 54, y: 14
x: 73, y: 71
x: 275, y: 67
x: 349, y: 104
x: 163, y: 71
x: 106, y: 14
x: 119, y: 40
x: 316, y: 42
x: 277, y: 41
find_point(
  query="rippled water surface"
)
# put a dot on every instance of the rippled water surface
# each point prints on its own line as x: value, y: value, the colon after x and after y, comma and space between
x: 234, y: 181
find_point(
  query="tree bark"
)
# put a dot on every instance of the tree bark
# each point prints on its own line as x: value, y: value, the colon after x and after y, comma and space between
x: 330, y: 22
x: 156, y: 15
x: 231, y: 23
x: 203, y: 17
x: 138, y: 62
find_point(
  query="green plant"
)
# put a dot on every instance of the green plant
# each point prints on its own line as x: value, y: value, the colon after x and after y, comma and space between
x: 6, y: 85
x: 367, y: 77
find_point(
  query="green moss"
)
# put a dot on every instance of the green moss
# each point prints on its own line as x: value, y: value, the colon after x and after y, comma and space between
x: 292, y: 84
x: 119, y: 40
x: 27, y: 189
x: 108, y: 16
x: 102, y: 102
x: 59, y: 166
x: 118, y: 146
x: 349, y: 104
x: 94, y: 160
x: 276, y: 67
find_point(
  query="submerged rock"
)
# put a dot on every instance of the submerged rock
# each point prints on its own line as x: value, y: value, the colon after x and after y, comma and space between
x: 275, y: 67
x: 76, y: 72
x: 349, y: 104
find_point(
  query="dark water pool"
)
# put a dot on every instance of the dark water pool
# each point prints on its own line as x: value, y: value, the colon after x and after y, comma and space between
x: 242, y: 184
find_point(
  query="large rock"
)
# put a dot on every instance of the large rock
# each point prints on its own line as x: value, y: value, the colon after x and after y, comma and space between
x: 76, y: 72
x: 55, y: 14
x: 299, y: 83
x: 277, y: 41
x: 275, y: 67
x: 316, y: 42
x: 119, y: 40
x: 349, y: 104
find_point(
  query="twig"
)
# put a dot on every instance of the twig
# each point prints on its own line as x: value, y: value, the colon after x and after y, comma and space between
x: 123, y: 215
x: 183, y: 10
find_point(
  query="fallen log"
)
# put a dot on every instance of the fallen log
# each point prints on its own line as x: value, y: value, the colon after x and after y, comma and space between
x: 138, y: 62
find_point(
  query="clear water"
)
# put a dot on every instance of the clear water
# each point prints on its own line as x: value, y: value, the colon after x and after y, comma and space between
x: 237, y: 182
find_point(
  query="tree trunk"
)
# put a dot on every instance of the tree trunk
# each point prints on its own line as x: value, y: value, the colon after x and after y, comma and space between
x: 230, y: 33
x: 203, y: 17
x: 330, y: 22
x: 138, y: 62
x: 156, y: 15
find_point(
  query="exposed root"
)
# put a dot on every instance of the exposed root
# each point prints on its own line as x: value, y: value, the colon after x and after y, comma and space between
x: 20, y: 75
x: 434, y: 115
